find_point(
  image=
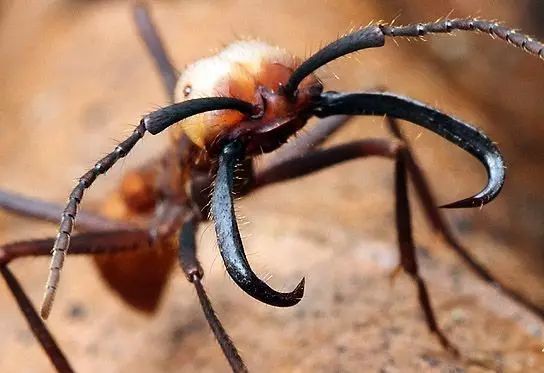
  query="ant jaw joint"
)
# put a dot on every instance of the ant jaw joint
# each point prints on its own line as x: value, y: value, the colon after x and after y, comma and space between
x: 287, y: 92
x: 195, y: 275
x: 258, y: 111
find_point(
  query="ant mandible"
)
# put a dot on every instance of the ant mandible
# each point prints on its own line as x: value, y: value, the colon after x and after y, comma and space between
x: 247, y: 100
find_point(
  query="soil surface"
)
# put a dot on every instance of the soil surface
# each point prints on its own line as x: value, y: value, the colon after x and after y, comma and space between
x: 75, y: 77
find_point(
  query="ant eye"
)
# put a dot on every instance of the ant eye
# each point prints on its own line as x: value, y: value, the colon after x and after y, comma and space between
x: 187, y: 90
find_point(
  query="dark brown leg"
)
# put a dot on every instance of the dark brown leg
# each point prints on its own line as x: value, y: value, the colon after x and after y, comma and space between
x: 106, y: 242
x: 324, y: 158
x: 150, y: 36
x: 310, y: 139
x: 408, y: 258
x: 399, y: 151
x: 193, y: 271
x: 86, y: 243
x: 36, y: 324
x: 168, y: 214
x: 372, y: 147
x: 424, y: 194
x: 167, y: 220
x: 403, y: 219
x: 47, y: 211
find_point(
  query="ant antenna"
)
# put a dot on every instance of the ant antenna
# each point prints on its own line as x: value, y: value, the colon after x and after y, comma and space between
x: 374, y: 36
x: 155, y: 123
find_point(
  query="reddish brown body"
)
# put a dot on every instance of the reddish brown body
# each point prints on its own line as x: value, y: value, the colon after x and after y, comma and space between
x: 138, y: 276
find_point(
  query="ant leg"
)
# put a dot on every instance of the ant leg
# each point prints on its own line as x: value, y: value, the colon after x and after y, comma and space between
x: 47, y: 211
x: 324, y: 158
x: 310, y: 139
x: 150, y: 36
x: 194, y: 273
x: 321, y: 159
x: 104, y: 242
x: 407, y: 249
x: 40, y: 331
x: 428, y: 202
x: 167, y: 219
x: 86, y: 243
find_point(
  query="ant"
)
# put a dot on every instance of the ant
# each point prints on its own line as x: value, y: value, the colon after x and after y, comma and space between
x: 225, y: 110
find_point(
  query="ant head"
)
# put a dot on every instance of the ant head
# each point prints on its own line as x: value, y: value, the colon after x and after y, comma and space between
x: 254, y: 72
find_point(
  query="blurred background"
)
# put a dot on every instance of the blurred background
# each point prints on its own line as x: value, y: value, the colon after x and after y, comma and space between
x: 74, y: 77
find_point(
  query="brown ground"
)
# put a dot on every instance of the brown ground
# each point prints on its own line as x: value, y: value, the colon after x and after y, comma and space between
x: 74, y: 76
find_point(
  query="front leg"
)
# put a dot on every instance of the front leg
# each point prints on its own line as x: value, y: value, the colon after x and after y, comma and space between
x: 47, y: 211
x: 193, y: 272
x: 407, y: 247
x: 36, y: 324
x: 326, y: 158
x: 309, y: 139
x: 110, y: 242
x: 405, y: 163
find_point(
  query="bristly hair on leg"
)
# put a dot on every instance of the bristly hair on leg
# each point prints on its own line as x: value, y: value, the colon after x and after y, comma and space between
x: 230, y: 351
x: 194, y: 273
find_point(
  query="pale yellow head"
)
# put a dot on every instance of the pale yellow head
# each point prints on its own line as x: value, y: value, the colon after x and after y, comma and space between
x: 241, y: 70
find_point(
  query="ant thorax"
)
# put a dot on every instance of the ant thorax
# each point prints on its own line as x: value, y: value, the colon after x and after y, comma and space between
x: 248, y: 70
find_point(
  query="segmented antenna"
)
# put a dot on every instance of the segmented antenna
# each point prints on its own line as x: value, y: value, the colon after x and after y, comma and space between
x: 367, y: 37
x: 373, y: 37
x: 153, y: 123
x: 445, y: 26
x: 62, y: 242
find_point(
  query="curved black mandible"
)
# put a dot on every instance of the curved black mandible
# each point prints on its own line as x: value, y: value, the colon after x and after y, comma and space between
x: 228, y: 236
x: 461, y: 134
